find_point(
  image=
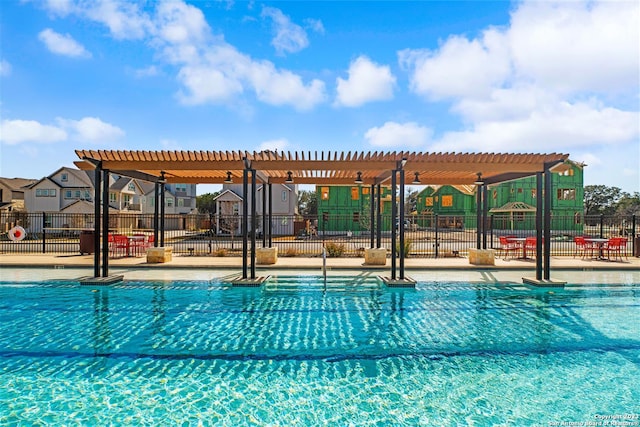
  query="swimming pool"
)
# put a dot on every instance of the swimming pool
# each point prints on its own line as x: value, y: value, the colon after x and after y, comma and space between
x: 299, y: 352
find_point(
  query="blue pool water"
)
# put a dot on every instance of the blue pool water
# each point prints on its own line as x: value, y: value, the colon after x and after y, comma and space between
x: 297, y: 353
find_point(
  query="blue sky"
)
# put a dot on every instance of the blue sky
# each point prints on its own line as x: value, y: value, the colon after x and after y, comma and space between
x: 475, y: 76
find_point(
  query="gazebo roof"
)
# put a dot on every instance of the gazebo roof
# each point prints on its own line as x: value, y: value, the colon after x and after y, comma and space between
x: 322, y: 168
x: 513, y: 207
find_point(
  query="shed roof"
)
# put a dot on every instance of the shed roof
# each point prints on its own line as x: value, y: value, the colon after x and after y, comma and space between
x: 334, y: 168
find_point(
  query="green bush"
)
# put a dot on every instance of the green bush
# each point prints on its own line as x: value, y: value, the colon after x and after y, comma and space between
x: 408, y: 243
x: 334, y: 250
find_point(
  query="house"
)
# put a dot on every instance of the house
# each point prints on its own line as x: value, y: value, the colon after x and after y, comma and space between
x: 12, y: 193
x: 454, y: 206
x: 348, y: 208
x: 284, y: 208
x: 178, y: 198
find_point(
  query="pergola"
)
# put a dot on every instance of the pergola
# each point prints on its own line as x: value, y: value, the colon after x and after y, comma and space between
x: 326, y: 168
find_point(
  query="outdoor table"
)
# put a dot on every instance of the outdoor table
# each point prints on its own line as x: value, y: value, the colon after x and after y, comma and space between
x: 521, y: 242
x: 600, y: 242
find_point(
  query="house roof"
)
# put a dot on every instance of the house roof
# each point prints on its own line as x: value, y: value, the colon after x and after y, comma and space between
x: 513, y: 207
x: 17, y: 184
x: 228, y: 194
x: 337, y: 168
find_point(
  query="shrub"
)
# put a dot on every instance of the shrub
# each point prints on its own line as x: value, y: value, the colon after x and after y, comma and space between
x: 221, y: 252
x: 334, y: 250
x: 408, y: 243
x: 290, y: 252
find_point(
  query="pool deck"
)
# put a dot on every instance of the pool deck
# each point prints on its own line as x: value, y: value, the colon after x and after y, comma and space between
x: 311, y: 263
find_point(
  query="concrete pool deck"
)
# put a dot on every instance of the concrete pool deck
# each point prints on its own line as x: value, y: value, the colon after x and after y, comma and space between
x: 312, y: 263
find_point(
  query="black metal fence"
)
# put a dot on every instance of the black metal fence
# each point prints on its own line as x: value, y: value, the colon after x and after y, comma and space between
x: 348, y: 235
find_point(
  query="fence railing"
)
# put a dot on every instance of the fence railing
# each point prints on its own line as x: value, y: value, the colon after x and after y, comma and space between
x: 220, y: 235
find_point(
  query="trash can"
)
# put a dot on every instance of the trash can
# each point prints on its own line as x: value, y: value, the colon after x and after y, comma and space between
x: 87, y: 241
x: 637, y: 246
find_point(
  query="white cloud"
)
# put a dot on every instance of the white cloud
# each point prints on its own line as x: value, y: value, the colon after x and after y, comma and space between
x: 5, y: 68
x: 19, y: 131
x: 62, y: 44
x: 314, y: 25
x: 273, y: 145
x: 92, y: 130
x: 179, y: 24
x: 149, y: 71
x: 367, y: 82
x: 124, y: 19
x: 460, y: 67
x: 289, y: 37
x: 400, y: 135
x: 546, y: 82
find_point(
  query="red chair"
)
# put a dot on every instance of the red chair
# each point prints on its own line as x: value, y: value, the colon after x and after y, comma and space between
x: 616, y: 245
x: 121, y: 245
x: 507, y: 246
x: 582, y: 246
x: 138, y: 244
x: 529, y: 245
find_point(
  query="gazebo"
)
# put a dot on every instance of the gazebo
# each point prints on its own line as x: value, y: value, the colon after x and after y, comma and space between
x: 324, y: 168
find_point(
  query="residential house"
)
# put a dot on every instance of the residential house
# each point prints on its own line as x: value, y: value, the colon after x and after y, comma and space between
x: 284, y: 208
x: 454, y: 206
x: 12, y: 193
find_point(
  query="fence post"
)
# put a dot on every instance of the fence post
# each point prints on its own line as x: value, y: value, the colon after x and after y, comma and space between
x: 634, y: 250
x: 44, y: 234
x: 436, y: 228
x: 601, y: 226
x: 491, y: 228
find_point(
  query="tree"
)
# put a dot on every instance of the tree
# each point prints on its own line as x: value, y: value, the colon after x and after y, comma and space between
x: 307, y: 202
x: 601, y: 200
x: 628, y: 204
x: 206, y: 203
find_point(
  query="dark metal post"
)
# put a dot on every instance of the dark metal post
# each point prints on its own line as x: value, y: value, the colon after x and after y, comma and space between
x: 44, y: 233
x: 96, y: 221
x: 162, y: 210
x: 372, y: 213
x: 378, y: 217
x: 485, y: 211
x: 478, y: 216
x: 156, y: 214
x: 245, y: 220
x: 601, y: 226
x: 634, y: 250
x: 264, y: 215
x: 270, y: 214
x: 547, y: 222
x: 401, y: 224
x: 539, y: 208
x: 253, y: 223
x: 491, y: 228
x: 437, y: 244
x: 105, y: 223
x: 394, y: 217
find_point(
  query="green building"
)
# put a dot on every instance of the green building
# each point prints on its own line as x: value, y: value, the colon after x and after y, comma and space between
x: 454, y: 206
x: 348, y: 208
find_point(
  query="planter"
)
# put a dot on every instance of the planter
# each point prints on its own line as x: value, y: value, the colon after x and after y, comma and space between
x: 375, y: 256
x: 266, y: 256
x: 159, y: 255
x: 482, y: 256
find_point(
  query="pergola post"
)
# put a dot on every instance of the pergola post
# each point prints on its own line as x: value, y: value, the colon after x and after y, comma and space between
x: 270, y: 214
x: 394, y: 216
x: 162, y: 209
x: 97, y: 227
x: 105, y: 223
x: 156, y: 214
x: 372, y: 213
x: 539, y: 207
x: 245, y: 221
x: 547, y: 221
x: 485, y: 209
x: 264, y: 215
x: 401, y: 224
x: 478, y: 216
x: 253, y: 223
x: 378, y: 201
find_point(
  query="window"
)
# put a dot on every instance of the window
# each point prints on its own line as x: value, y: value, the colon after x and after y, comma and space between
x: 77, y: 194
x: 518, y: 216
x: 64, y: 177
x: 356, y: 217
x: 577, y: 218
x: 112, y: 197
x: 87, y: 195
x: 324, y: 193
x: 325, y: 216
x: 47, y: 220
x: 533, y: 193
x: 520, y: 190
x: 52, y: 192
x: 566, y: 193
x: 284, y: 195
x: 131, y: 186
x: 180, y: 202
x: 365, y: 190
x: 67, y: 194
x: 447, y: 201
x: 428, y: 201
x: 181, y: 187
x: 355, y: 194
x: 494, y: 195
x: 169, y: 202
x: 43, y: 192
x: 126, y: 199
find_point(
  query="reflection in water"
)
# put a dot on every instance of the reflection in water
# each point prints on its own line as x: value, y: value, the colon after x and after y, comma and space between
x: 101, y: 336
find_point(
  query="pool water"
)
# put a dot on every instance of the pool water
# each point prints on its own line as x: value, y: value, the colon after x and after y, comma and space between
x: 300, y: 352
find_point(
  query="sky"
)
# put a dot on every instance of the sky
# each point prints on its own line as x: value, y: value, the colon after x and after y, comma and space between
x: 430, y: 76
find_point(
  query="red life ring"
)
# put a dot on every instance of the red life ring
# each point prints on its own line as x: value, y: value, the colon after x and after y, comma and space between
x: 17, y: 233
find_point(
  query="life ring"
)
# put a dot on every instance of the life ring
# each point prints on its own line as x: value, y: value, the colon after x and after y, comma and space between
x: 17, y: 233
